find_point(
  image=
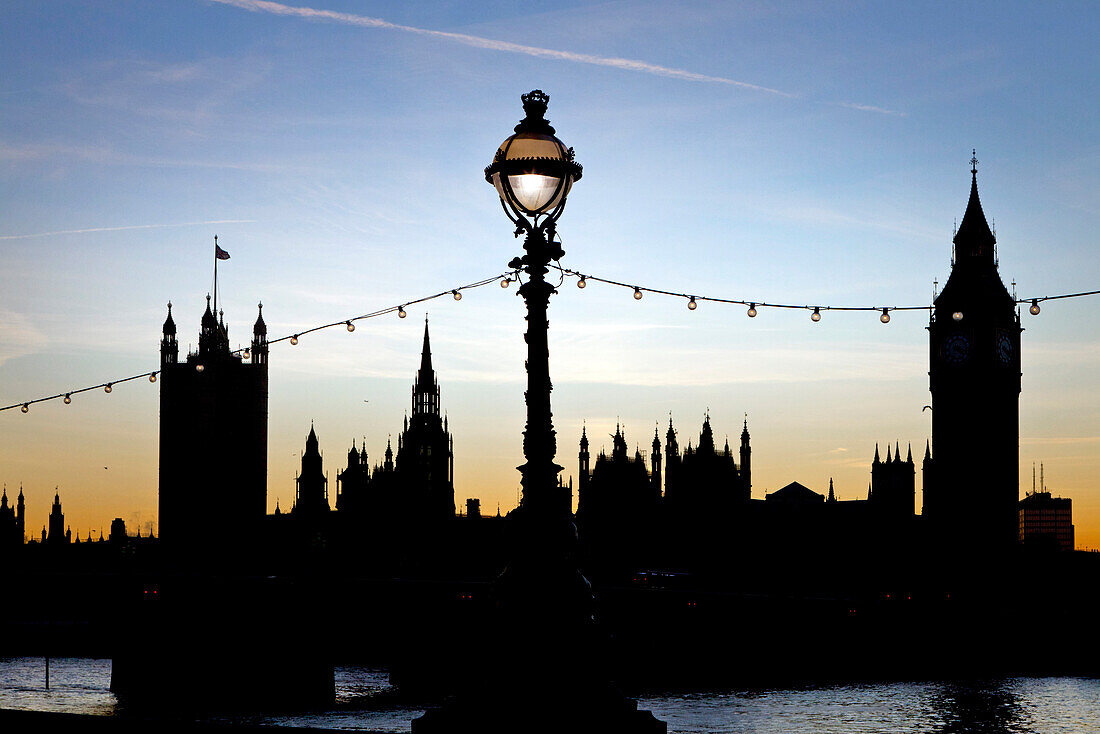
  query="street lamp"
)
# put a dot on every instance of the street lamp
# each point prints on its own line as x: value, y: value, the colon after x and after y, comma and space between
x: 545, y: 678
x: 533, y: 173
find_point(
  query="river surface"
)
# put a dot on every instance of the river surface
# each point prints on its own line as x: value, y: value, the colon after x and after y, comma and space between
x: 1002, y: 706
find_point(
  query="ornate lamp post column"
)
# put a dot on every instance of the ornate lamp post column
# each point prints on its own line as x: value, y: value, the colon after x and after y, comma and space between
x: 533, y: 172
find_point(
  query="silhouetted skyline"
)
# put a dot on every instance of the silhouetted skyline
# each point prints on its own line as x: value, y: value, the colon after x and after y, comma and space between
x: 339, y: 193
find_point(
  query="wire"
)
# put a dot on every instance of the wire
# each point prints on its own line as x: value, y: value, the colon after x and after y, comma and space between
x: 151, y: 376
x: 515, y: 275
x: 764, y: 304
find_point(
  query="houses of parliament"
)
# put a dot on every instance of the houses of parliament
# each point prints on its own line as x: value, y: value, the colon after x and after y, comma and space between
x: 678, y: 507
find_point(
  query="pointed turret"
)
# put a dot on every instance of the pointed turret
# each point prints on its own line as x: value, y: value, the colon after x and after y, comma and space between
x: 260, y: 327
x: 909, y: 456
x: 888, y: 459
x: 897, y: 452
x: 877, y: 460
x: 259, y: 337
x: 311, y: 441
x: 974, y: 239
x: 927, y: 450
x: 426, y: 372
x: 584, y: 439
x: 832, y: 495
x: 213, y: 336
x: 706, y: 436
x: 169, y: 347
x: 169, y: 323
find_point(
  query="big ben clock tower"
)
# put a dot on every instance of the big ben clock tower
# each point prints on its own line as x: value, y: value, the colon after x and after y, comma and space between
x: 971, y: 480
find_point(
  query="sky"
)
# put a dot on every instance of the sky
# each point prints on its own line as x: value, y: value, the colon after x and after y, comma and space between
x: 809, y: 153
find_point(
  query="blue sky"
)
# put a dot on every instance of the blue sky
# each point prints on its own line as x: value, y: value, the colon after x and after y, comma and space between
x: 802, y: 153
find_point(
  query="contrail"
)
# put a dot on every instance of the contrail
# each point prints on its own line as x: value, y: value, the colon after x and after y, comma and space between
x: 266, y: 6
x: 120, y: 229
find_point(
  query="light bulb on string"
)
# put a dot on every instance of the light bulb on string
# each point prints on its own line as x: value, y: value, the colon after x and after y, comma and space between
x: 581, y: 283
x: 504, y: 283
x: 457, y: 295
x: 351, y: 326
x: 752, y: 311
x: 885, y: 317
x: 25, y: 408
x: 199, y: 368
x: 401, y: 312
x: 692, y: 305
x: 816, y: 315
x: 68, y: 399
x: 637, y: 293
x: 294, y: 340
x: 152, y: 377
x: 1034, y: 310
x: 108, y: 387
x: 958, y: 316
x: 247, y: 353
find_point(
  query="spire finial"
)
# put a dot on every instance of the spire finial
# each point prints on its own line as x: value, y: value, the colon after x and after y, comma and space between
x: 974, y: 162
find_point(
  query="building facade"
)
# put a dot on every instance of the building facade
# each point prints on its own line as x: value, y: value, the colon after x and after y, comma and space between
x: 213, y: 435
x: 1046, y: 521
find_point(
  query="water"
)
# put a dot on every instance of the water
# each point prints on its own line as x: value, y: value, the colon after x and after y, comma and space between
x: 1006, y: 706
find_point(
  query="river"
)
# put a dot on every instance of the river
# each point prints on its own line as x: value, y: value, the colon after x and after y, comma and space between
x: 1002, y: 706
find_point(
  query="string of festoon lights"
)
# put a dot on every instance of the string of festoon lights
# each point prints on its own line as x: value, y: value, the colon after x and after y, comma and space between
x: 506, y: 279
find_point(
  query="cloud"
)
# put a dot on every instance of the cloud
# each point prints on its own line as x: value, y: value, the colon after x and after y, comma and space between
x: 871, y: 108
x: 21, y: 337
x: 266, y: 6
x: 1058, y: 440
x: 121, y: 229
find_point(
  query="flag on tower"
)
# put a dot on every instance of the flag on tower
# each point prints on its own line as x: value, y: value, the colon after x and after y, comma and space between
x: 220, y: 253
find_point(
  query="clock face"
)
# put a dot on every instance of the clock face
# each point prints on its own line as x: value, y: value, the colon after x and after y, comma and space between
x: 956, y: 349
x: 1004, y: 348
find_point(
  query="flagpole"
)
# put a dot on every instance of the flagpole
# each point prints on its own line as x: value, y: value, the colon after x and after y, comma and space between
x: 215, y: 276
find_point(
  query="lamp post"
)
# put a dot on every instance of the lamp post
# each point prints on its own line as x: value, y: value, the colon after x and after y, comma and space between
x: 533, y: 173
x: 544, y: 675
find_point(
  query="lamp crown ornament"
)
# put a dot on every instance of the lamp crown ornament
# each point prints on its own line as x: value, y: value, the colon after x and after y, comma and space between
x: 534, y: 106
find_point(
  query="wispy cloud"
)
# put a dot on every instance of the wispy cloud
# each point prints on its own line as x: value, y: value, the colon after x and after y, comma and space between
x: 122, y: 229
x: 108, y: 156
x: 21, y: 337
x: 266, y: 6
x: 1058, y: 440
x: 871, y: 108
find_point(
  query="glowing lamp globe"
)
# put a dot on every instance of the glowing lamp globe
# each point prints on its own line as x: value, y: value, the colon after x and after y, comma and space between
x: 532, y: 170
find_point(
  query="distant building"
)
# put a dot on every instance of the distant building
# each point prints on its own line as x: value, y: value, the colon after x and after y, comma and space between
x: 57, y: 534
x: 213, y: 435
x: 118, y: 531
x: 416, y: 485
x: 311, y: 500
x: 795, y: 496
x: 12, y: 521
x: 893, y: 484
x: 1046, y: 521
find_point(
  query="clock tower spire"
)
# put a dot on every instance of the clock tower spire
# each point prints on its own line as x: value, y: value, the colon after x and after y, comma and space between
x: 974, y: 376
